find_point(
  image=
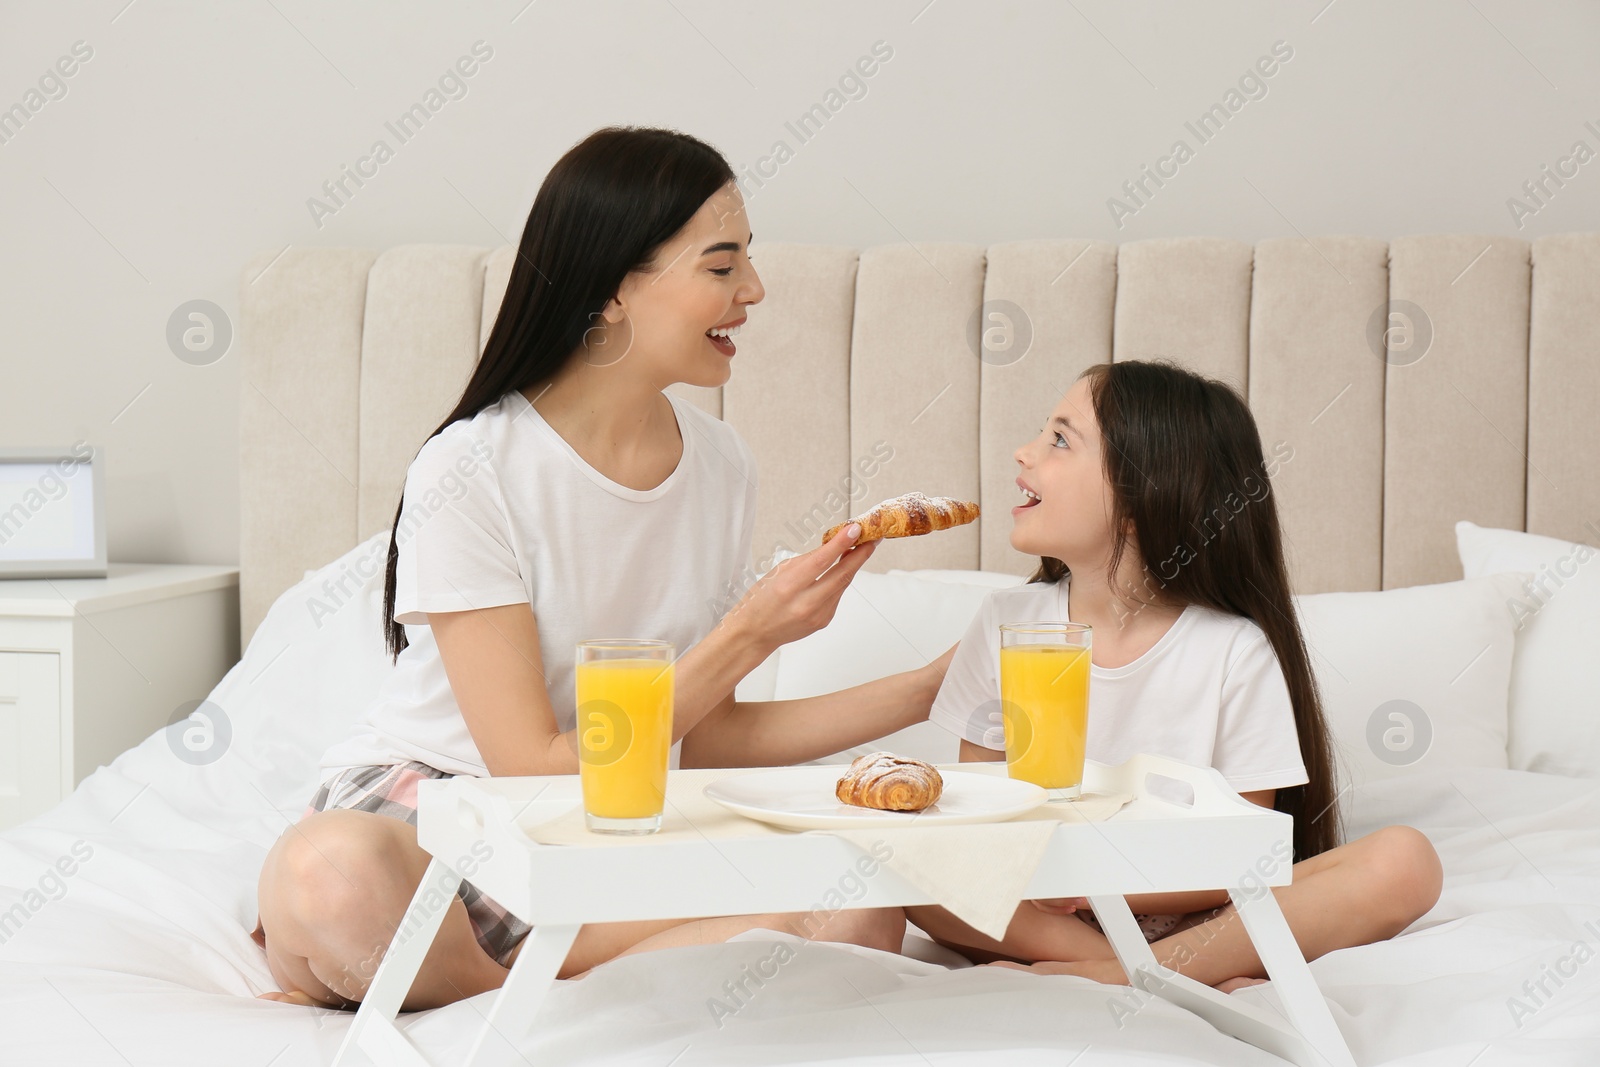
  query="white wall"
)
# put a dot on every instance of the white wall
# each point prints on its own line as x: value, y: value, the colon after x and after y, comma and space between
x: 197, y: 131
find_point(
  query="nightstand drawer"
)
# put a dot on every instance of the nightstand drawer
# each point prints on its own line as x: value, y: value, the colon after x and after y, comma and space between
x: 30, y: 734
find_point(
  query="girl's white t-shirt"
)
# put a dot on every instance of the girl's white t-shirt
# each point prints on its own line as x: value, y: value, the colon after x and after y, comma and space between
x: 500, y: 509
x: 1210, y: 692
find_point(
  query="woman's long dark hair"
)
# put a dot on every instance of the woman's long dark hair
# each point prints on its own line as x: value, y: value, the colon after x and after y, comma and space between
x: 601, y: 213
x: 1183, y: 459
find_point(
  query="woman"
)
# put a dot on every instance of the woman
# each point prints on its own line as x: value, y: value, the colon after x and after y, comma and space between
x: 585, y: 502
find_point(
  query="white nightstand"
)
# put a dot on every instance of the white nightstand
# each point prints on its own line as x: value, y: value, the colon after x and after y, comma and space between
x: 92, y: 666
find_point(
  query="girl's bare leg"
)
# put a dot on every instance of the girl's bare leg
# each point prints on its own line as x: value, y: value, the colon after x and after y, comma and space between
x: 1364, y: 891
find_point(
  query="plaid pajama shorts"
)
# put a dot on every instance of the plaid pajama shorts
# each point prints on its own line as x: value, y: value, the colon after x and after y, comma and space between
x: 1155, y: 927
x: 392, y: 791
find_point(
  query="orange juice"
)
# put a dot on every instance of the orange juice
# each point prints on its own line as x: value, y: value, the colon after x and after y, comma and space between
x: 624, y: 736
x: 1044, y: 697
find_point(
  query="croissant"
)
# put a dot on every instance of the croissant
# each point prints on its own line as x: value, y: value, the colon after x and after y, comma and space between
x: 888, y: 782
x: 908, y: 516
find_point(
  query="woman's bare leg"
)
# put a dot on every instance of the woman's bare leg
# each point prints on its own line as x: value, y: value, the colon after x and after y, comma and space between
x: 598, y: 943
x: 1364, y: 891
x: 879, y: 928
x: 333, y: 891
x: 335, y: 887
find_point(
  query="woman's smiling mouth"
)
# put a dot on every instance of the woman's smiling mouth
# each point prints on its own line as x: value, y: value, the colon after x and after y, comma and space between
x: 721, y: 337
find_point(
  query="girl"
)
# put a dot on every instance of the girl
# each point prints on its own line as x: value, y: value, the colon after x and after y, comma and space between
x: 1146, y: 497
x: 567, y: 497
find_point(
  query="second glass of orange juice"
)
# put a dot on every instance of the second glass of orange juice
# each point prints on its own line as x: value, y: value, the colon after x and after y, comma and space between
x: 624, y: 698
x: 1044, y: 701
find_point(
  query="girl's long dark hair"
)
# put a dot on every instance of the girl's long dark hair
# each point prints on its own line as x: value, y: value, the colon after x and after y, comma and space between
x: 1183, y: 459
x: 601, y: 213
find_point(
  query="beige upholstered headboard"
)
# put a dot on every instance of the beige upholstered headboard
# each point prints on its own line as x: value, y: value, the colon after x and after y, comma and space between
x: 352, y: 356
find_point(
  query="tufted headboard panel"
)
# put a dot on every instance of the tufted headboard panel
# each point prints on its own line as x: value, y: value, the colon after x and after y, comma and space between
x: 1402, y: 385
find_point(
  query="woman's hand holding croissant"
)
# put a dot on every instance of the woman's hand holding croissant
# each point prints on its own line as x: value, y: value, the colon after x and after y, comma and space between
x: 799, y: 596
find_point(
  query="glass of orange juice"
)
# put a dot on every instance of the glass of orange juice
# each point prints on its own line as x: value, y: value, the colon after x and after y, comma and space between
x: 1044, y: 703
x: 624, y: 698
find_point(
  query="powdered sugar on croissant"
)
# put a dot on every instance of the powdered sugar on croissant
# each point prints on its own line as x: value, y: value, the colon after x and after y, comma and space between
x: 890, y: 783
x: 910, y: 515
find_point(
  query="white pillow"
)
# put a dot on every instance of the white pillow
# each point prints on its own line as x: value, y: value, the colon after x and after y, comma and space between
x: 885, y: 624
x: 1413, y: 678
x: 987, y: 579
x: 312, y: 666
x: 761, y: 683
x: 1368, y: 649
x: 1555, y: 676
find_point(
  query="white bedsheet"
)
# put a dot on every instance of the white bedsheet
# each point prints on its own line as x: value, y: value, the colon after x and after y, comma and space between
x: 143, y: 954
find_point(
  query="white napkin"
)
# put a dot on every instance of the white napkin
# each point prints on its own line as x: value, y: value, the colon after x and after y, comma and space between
x: 979, y: 871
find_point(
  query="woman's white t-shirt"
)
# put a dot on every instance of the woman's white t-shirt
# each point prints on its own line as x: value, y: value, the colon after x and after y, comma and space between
x: 500, y: 509
x: 1210, y: 692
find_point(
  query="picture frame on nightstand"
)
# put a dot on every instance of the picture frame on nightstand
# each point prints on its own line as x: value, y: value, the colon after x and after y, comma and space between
x: 52, y: 512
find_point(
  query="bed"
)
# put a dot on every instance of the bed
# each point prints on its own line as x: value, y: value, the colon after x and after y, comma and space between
x: 1434, y: 487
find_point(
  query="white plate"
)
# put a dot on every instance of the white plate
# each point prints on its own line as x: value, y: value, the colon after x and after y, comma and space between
x: 802, y: 798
